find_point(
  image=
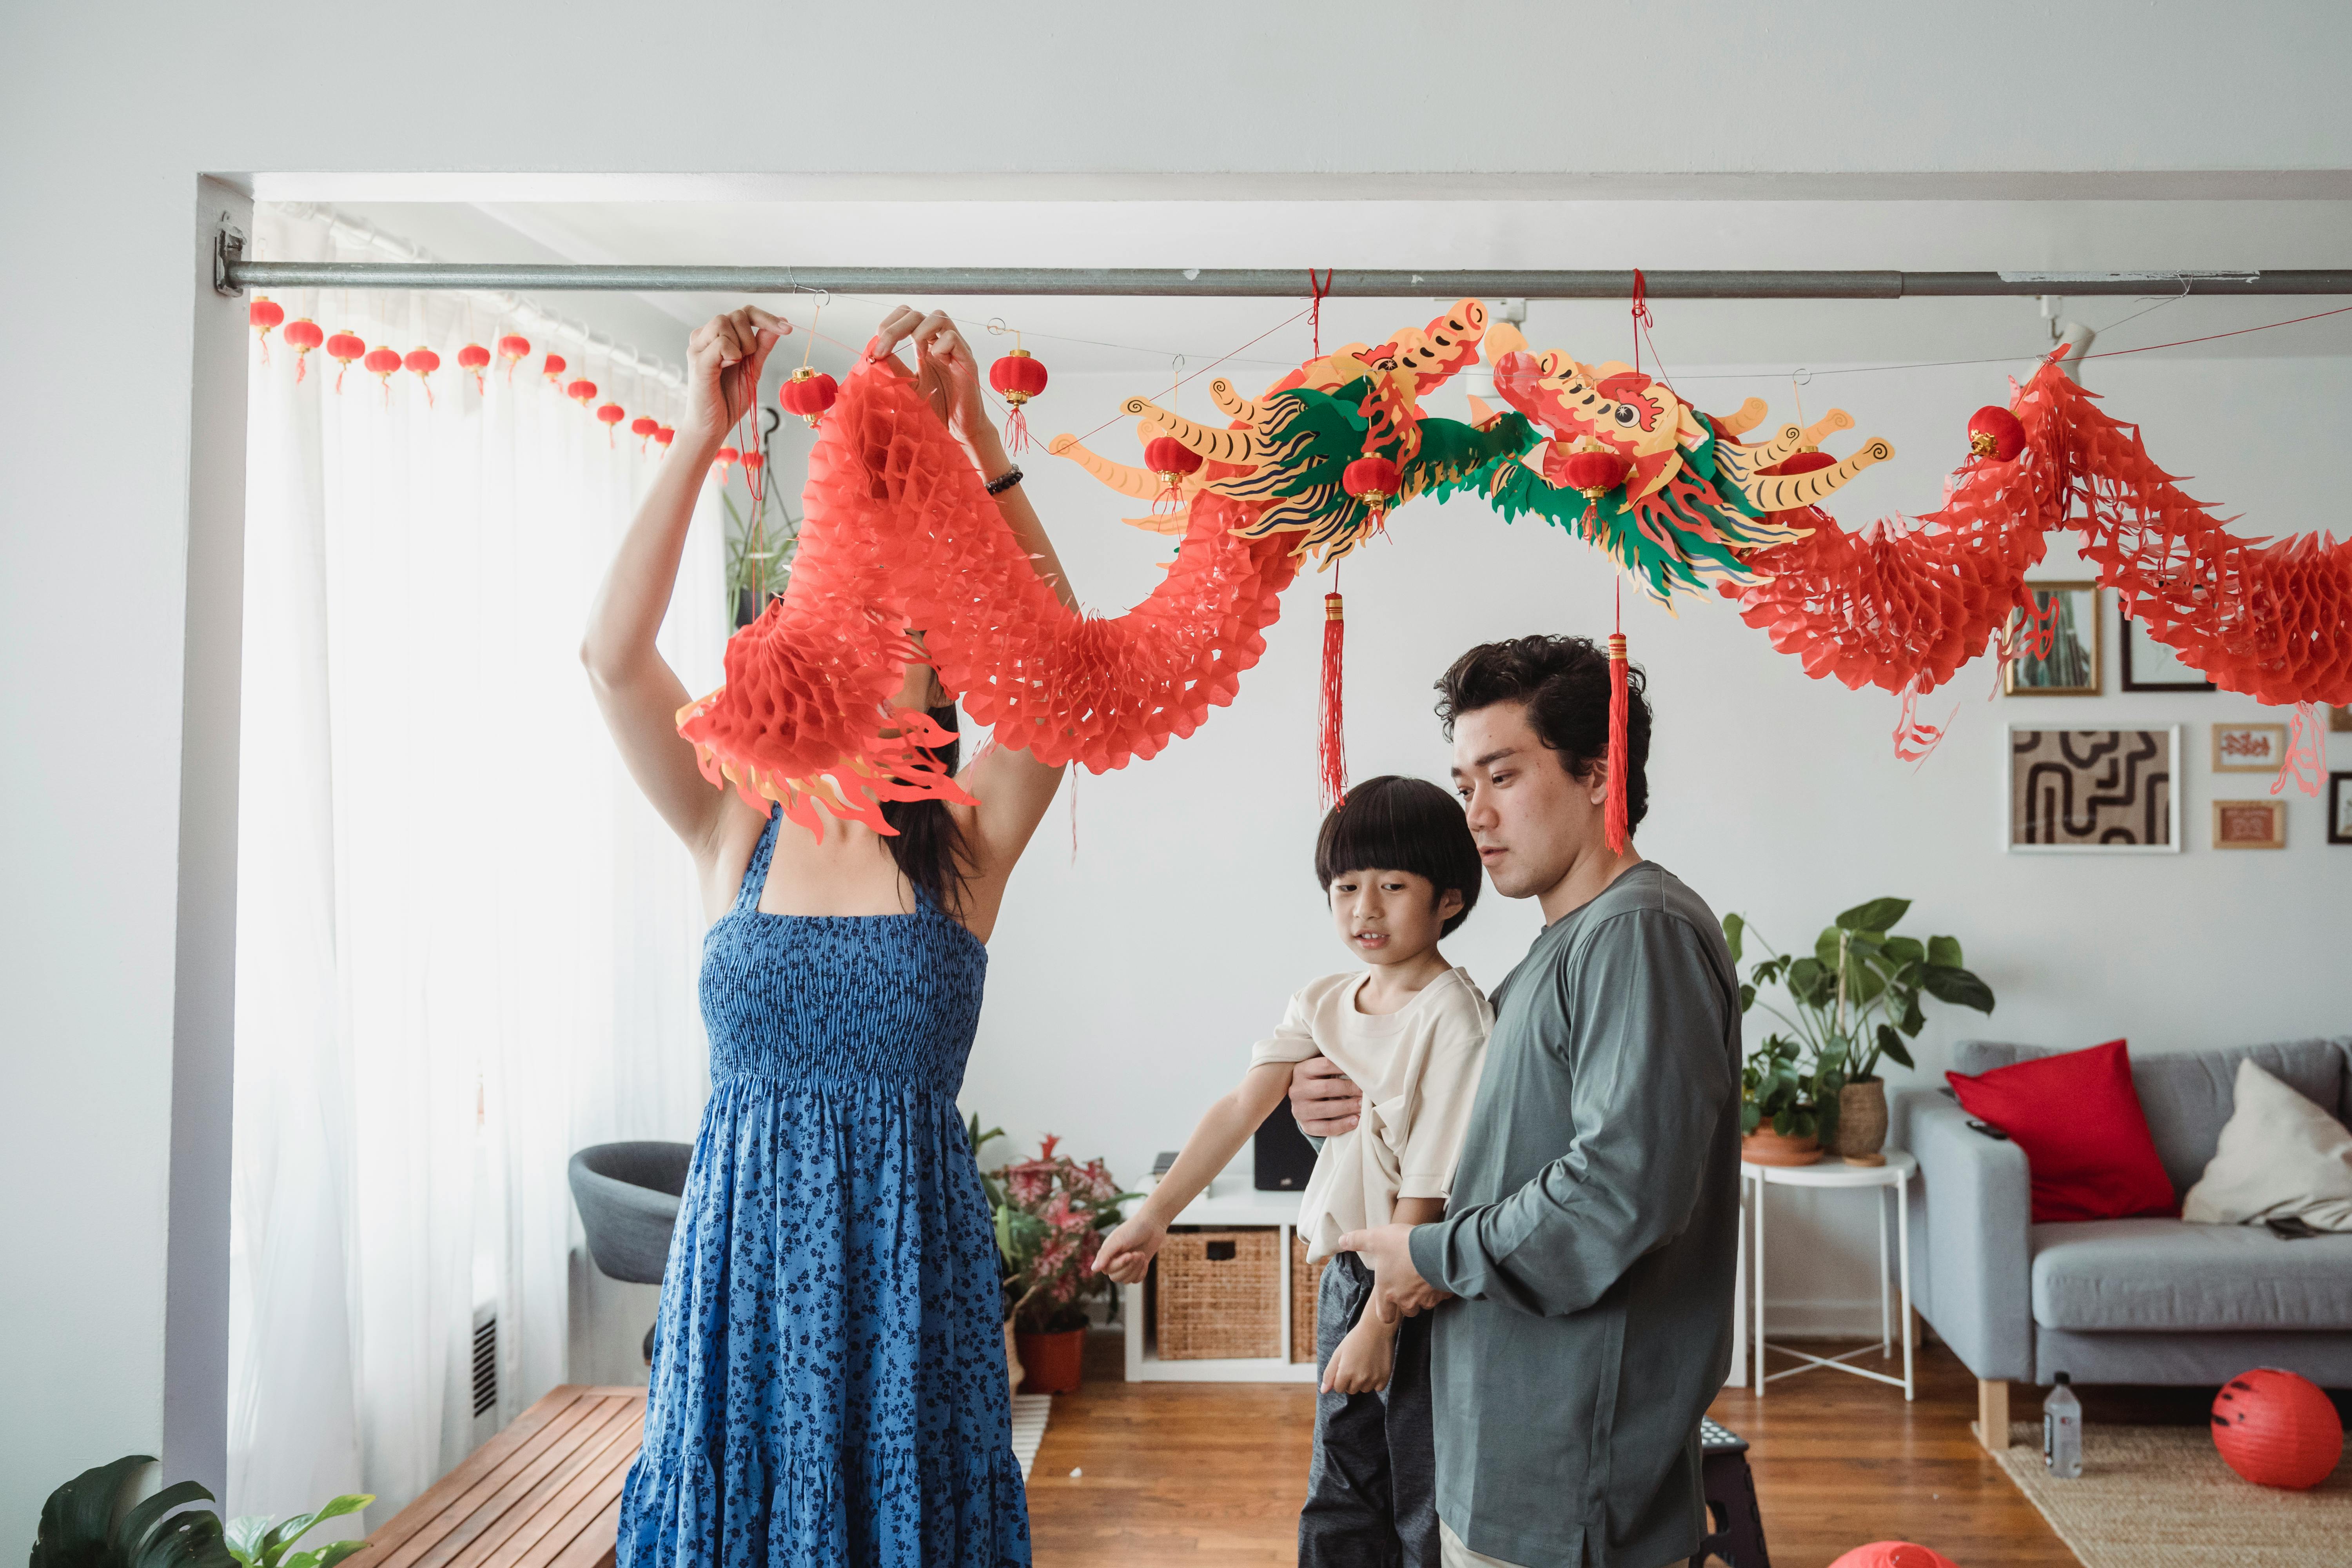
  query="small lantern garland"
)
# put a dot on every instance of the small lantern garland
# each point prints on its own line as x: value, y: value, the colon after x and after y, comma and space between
x: 611, y: 414
x: 476, y: 359
x: 303, y: 336
x: 421, y: 363
x: 263, y: 314
x: 1173, y: 461
x: 513, y: 348
x: 552, y: 367
x: 1017, y: 377
x: 643, y: 428
x: 344, y: 348
x: 581, y: 390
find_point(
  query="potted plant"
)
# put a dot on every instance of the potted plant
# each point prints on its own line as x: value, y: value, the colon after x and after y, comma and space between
x: 1051, y: 1213
x: 92, y: 1521
x: 1856, y: 999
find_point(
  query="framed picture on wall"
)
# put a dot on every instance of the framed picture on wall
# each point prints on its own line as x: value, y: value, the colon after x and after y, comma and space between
x: 2249, y: 748
x: 2096, y: 790
x: 2149, y: 665
x: 2340, y: 808
x: 2057, y: 649
x: 2339, y: 719
x: 2250, y: 825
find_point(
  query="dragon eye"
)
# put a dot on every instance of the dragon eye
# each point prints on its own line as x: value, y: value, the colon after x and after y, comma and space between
x: 1626, y: 415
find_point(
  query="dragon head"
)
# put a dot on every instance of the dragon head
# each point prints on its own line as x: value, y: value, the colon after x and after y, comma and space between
x: 1612, y: 405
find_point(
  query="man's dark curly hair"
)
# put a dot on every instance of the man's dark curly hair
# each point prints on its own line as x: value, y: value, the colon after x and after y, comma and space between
x: 1564, y: 681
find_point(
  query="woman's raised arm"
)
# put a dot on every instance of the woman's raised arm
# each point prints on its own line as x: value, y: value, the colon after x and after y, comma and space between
x: 634, y: 686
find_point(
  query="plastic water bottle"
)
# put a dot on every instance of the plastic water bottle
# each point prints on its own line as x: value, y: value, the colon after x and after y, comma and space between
x: 2061, y: 1431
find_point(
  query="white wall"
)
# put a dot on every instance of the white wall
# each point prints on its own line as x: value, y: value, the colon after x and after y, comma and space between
x: 1125, y: 990
x: 110, y: 114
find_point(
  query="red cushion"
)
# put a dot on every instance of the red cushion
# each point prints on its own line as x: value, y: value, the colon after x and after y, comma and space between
x: 2085, y: 1139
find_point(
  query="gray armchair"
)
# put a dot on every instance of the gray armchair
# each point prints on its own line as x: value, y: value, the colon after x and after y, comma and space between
x: 2128, y: 1301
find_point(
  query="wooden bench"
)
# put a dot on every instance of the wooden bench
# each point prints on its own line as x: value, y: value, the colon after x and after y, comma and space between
x: 543, y: 1493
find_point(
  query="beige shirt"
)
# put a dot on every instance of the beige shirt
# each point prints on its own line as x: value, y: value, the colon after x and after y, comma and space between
x: 1418, y: 1068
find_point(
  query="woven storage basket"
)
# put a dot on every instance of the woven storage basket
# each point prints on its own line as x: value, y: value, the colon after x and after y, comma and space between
x: 1305, y: 1279
x: 1219, y: 1294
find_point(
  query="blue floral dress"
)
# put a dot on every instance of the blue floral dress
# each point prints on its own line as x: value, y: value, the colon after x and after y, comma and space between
x: 828, y: 1381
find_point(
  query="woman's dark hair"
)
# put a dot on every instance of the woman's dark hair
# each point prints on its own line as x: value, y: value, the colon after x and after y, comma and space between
x: 1564, y: 681
x: 929, y: 846
x: 1397, y: 823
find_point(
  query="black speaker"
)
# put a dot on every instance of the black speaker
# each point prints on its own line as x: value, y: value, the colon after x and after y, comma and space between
x: 1284, y: 1158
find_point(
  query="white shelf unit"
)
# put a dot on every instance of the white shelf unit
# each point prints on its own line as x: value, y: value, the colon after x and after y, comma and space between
x: 1230, y: 1203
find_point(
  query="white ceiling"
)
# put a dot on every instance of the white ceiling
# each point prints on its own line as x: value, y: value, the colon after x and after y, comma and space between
x: 1138, y: 337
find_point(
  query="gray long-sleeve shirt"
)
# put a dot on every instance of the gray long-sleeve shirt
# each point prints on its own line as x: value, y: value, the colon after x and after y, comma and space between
x: 1591, y: 1238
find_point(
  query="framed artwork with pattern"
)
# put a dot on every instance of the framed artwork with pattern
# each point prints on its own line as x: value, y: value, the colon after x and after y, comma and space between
x: 2250, y: 825
x: 2092, y: 791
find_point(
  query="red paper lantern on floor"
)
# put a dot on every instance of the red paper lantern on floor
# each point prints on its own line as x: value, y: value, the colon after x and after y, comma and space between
x: 513, y: 348
x: 2277, y: 1429
x: 474, y: 357
x: 643, y: 428
x: 1017, y: 377
x: 263, y: 314
x: 343, y: 348
x: 1375, y: 480
x: 581, y: 392
x: 808, y: 393
x: 611, y: 414
x: 1171, y: 460
x: 1994, y: 432
x: 421, y: 363
x: 304, y: 335
x: 552, y: 367
x: 1894, y: 1554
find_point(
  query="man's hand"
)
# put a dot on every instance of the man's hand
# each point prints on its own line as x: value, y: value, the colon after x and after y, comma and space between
x: 1398, y: 1286
x: 1325, y: 1100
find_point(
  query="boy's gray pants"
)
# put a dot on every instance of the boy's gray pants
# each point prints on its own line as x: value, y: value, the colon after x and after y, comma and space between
x: 1371, y: 1491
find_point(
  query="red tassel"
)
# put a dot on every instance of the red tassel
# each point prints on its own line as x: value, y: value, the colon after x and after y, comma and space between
x: 1017, y: 431
x: 1612, y: 822
x: 1331, y: 754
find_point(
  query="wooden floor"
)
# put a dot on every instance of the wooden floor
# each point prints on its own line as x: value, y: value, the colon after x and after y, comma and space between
x: 1211, y: 1474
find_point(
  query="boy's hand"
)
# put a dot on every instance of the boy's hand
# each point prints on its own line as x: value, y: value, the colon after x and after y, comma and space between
x: 1128, y: 1252
x: 1365, y: 1358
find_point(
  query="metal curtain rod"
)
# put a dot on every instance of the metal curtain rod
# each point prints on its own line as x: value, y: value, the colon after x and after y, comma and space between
x: 1263, y: 282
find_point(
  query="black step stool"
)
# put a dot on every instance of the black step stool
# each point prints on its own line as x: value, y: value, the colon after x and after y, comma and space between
x: 1738, y: 1537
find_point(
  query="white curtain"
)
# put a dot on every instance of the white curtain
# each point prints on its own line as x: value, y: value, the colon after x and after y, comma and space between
x: 466, y: 947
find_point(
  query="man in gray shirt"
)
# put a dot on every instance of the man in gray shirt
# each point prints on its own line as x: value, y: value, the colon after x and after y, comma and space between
x: 1582, y: 1275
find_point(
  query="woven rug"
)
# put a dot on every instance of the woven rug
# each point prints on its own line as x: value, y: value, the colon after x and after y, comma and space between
x: 2160, y: 1497
x: 1029, y: 1413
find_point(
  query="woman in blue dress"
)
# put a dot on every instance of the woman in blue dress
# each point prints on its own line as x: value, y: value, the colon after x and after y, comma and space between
x: 828, y: 1381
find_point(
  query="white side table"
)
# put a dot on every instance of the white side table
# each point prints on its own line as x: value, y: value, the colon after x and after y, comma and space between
x: 1894, y: 1177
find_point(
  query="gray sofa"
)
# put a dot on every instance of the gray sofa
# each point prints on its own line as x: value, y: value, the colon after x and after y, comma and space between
x: 2126, y: 1300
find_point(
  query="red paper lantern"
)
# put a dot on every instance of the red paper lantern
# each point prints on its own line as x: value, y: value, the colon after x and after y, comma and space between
x: 1994, y: 432
x: 643, y: 428
x: 2277, y: 1429
x: 1594, y: 474
x: 612, y: 414
x: 663, y: 437
x: 1017, y: 377
x: 723, y: 459
x: 513, y: 348
x: 474, y: 357
x: 752, y: 464
x: 343, y: 348
x: 552, y: 367
x: 421, y: 363
x: 263, y: 314
x: 808, y: 393
x: 1171, y: 460
x: 1373, y: 480
x: 582, y: 391
x: 305, y: 336
x: 383, y: 363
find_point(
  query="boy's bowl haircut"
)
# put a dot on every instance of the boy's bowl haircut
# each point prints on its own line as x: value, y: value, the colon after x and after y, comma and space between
x: 1397, y: 823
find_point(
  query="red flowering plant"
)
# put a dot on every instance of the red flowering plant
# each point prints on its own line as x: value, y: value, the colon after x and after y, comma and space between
x: 1051, y: 1215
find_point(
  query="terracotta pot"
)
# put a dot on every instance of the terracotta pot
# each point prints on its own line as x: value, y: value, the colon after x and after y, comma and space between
x: 1051, y: 1361
x: 1862, y: 1122
x: 1012, y: 1359
x: 1766, y: 1147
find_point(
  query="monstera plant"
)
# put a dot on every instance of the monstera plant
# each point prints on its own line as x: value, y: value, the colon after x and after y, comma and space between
x: 85, y: 1525
x: 1854, y: 1000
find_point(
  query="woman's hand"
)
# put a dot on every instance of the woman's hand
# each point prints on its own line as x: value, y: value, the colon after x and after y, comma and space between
x: 723, y: 360
x: 945, y: 372
x: 1364, y: 1361
x: 1128, y: 1252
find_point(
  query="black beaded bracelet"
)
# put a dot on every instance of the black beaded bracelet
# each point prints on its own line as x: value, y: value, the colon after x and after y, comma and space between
x: 1003, y: 482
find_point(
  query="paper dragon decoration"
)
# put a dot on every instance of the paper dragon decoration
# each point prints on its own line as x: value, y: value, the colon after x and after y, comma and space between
x: 900, y: 535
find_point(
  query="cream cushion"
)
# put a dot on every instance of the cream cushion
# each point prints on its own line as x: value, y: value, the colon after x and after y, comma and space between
x: 2280, y: 1157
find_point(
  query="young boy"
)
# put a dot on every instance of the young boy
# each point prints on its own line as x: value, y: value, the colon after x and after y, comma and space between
x: 1401, y: 871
